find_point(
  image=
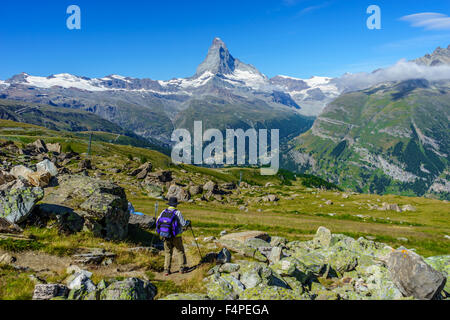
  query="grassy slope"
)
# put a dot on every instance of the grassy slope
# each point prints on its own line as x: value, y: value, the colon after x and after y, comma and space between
x: 372, y: 113
x: 296, y: 218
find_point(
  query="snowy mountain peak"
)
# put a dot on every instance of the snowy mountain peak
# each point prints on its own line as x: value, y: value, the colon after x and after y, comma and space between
x: 218, y: 61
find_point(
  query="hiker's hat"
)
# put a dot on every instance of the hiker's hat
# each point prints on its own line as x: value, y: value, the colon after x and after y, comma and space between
x: 173, y: 201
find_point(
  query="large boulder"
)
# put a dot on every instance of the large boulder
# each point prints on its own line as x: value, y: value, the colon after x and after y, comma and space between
x: 142, y: 171
x: 47, y: 166
x: 195, y: 190
x: 178, y: 192
x: 159, y: 177
x: 242, y: 249
x: 54, y: 147
x: 21, y: 171
x: 38, y: 146
x: 211, y: 187
x: 102, y: 204
x: 243, y: 236
x: 323, y: 237
x: 129, y: 289
x: 442, y: 264
x: 413, y: 276
x: 143, y: 222
x: 49, y: 291
x: 16, y: 204
x: 39, y: 179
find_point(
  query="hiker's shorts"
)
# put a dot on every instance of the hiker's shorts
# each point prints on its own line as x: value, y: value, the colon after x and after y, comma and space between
x: 177, y: 244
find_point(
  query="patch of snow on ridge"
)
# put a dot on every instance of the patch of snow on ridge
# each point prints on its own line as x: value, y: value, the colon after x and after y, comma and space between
x: 65, y: 80
x: 250, y: 79
x: 4, y: 84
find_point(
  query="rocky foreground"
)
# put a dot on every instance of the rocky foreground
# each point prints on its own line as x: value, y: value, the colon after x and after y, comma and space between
x: 329, y: 267
x: 251, y: 265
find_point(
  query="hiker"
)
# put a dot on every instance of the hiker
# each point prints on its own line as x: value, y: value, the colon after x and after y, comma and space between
x: 131, y: 210
x: 170, y: 225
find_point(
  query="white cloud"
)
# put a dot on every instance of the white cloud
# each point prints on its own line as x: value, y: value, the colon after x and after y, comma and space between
x: 402, y: 70
x: 428, y: 20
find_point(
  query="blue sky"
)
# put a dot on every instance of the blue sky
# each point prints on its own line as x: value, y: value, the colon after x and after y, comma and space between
x: 167, y: 39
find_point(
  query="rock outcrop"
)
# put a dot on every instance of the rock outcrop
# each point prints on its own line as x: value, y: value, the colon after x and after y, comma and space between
x: 103, y: 205
x: 413, y: 276
x: 16, y: 204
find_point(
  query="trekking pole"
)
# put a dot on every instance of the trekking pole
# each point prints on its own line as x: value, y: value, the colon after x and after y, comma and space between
x: 156, y: 210
x: 196, y: 242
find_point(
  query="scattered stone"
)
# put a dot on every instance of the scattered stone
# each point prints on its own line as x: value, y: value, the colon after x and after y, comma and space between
x: 144, y: 222
x: 179, y: 193
x: 195, y: 190
x: 96, y: 256
x: 211, y: 187
x: 21, y: 171
x: 243, y: 236
x: 129, y: 289
x: 6, y: 177
x: 38, y: 146
x: 161, y: 176
x: 413, y: 276
x: 228, y: 186
x: 209, y: 239
x: 16, y: 204
x: 47, y: 166
x: 7, y: 259
x: 8, y: 227
x: 54, y: 147
x: 142, y: 171
x: 322, y: 237
x: 39, y: 179
x: 270, y: 198
x: 278, y: 241
x: 393, y: 207
x: 329, y: 202
x: 276, y: 254
x: 408, y: 207
x: 224, y: 256
x: 49, y: 291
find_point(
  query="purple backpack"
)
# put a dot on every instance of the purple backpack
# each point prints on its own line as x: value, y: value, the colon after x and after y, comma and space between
x: 167, y: 224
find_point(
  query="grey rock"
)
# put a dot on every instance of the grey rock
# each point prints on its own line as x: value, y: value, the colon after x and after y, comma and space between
x: 178, y: 192
x: 47, y: 166
x: 143, y: 222
x: 49, y: 291
x: 129, y: 289
x: 413, y: 276
x: 224, y: 256
x: 16, y: 204
x: 102, y: 204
